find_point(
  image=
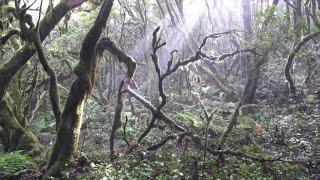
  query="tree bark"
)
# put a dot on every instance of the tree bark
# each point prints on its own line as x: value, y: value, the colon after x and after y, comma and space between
x: 65, y: 147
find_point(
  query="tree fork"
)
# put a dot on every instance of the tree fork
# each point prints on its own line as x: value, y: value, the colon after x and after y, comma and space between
x: 21, y: 57
x: 291, y: 57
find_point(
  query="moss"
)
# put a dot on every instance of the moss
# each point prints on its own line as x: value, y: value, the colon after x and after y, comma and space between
x: 30, y: 143
x: 53, y: 90
x: 14, y: 136
x: 310, y: 99
x: 64, y: 150
x: 13, y: 162
x: 21, y: 57
x: 66, y: 143
x: 81, y: 71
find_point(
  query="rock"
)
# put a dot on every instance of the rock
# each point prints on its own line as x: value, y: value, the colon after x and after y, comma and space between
x: 45, y: 138
x: 249, y: 109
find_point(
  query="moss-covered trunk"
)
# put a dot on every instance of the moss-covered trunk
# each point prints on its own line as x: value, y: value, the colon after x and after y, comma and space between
x: 68, y: 133
x: 13, y: 135
x: 65, y: 146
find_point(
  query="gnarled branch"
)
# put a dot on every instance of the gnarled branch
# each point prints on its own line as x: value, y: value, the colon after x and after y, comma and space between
x: 291, y: 58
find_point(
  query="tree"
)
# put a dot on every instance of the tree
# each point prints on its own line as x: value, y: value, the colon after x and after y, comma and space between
x: 9, y: 120
x: 65, y: 147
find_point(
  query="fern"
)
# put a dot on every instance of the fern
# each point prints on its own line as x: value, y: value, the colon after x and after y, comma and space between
x: 13, y: 162
x: 190, y: 118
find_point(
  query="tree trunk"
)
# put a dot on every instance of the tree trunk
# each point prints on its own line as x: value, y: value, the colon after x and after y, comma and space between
x: 297, y: 37
x: 248, y: 95
x: 295, y: 49
x: 247, y: 23
x: 14, y: 136
x: 65, y: 147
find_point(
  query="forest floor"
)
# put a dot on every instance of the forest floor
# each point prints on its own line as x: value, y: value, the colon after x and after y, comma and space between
x: 287, y: 130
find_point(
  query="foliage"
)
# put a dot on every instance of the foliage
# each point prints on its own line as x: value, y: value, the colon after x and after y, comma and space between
x: 11, y: 163
x: 286, y: 126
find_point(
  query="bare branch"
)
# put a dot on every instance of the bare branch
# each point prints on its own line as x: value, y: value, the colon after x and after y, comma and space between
x: 117, y: 120
x: 161, y: 143
x: 150, y: 126
x: 125, y: 132
x: 39, y: 14
x: 213, y: 36
x: 227, y: 55
x: 290, y: 4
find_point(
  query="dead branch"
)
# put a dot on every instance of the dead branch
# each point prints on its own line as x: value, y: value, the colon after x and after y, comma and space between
x: 242, y: 154
x: 290, y: 4
x: 161, y: 143
x: 117, y: 120
x: 152, y: 108
x: 157, y: 113
x: 125, y: 132
x: 228, y: 55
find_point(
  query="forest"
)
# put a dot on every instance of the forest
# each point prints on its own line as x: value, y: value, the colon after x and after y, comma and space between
x: 159, y: 89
